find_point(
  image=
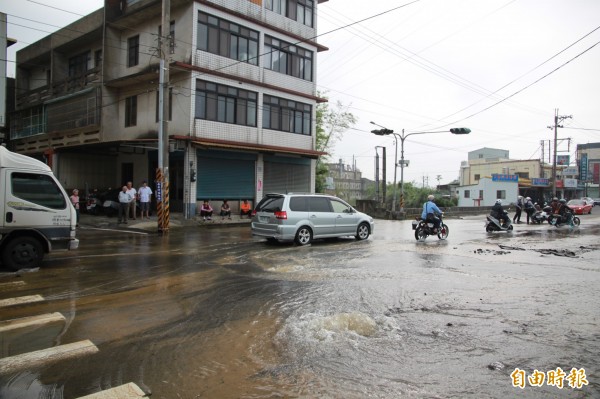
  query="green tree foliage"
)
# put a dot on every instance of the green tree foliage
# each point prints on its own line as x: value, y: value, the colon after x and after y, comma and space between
x: 332, y: 122
x: 414, y: 196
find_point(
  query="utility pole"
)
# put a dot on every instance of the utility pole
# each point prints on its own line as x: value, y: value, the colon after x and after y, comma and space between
x: 162, y: 173
x: 557, y: 120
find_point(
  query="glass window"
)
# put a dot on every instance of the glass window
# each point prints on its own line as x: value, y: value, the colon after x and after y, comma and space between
x: 299, y: 204
x: 339, y: 207
x: 319, y: 204
x: 287, y: 116
x: 133, y: 51
x: 226, y: 104
x: 219, y: 36
x: 39, y: 189
x: 131, y: 111
x: 80, y: 64
x: 289, y: 59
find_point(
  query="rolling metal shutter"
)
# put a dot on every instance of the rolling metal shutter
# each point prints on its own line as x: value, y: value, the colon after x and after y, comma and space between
x: 225, y: 175
x: 286, y: 175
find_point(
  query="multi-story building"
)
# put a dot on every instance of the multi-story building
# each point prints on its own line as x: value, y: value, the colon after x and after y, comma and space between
x: 242, y: 98
x: 588, y: 162
x: 346, y: 182
x: 532, y: 177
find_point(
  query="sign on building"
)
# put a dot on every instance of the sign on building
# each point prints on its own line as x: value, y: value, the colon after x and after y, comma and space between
x: 583, y: 167
x: 563, y: 159
x: 570, y: 183
x: 505, y: 177
x: 537, y: 182
x: 570, y: 171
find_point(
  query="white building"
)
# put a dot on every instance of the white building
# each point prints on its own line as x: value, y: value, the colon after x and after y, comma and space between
x: 242, y: 98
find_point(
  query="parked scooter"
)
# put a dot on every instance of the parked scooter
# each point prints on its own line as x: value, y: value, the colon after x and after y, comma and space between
x: 541, y: 216
x: 494, y: 224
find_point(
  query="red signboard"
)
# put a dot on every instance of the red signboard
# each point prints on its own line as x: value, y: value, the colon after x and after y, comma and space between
x: 559, y: 184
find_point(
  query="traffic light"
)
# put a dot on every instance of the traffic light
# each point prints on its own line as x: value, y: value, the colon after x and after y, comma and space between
x: 382, y: 132
x: 460, y: 130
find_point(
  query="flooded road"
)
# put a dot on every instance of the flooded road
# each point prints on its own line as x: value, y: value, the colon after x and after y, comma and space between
x: 214, y: 313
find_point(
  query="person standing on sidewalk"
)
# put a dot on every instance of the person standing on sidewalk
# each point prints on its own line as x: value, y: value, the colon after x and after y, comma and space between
x: 75, y: 201
x: 145, y: 193
x: 124, y: 201
x: 133, y: 193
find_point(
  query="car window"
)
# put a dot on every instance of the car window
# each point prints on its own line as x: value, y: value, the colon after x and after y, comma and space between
x: 270, y: 204
x: 575, y: 202
x: 319, y: 204
x: 340, y: 207
x: 299, y: 204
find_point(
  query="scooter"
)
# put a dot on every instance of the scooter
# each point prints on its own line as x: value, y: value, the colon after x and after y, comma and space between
x: 494, y: 224
x: 541, y: 216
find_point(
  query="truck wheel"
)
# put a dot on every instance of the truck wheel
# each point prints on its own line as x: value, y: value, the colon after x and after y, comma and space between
x: 23, y: 252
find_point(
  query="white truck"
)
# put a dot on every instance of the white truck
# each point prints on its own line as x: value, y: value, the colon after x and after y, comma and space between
x: 37, y: 214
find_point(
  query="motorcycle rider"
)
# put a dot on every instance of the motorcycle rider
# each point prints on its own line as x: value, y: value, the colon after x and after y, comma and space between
x: 554, y: 205
x: 564, y: 214
x: 498, y: 212
x: 430, y: 212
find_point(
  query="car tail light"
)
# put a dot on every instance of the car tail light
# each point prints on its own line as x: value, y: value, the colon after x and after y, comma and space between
x: 253, y: 212
x: 282, y: 215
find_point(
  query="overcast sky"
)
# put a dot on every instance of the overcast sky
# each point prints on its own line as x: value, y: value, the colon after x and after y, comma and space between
x: 499, y: 67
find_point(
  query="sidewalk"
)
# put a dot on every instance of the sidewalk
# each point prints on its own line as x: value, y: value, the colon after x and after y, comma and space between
x: 176, y: 220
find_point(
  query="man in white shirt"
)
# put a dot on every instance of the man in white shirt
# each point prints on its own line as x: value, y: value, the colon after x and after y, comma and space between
x: 124, y: 201
x: 133, y: 193
x: 145, y: 193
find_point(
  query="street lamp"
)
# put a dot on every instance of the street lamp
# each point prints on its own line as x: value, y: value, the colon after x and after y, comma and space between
x: 384, y: 132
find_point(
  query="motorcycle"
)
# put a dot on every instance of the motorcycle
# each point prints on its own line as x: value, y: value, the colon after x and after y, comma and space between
x: 555, y: 221
x: 424, y: 229
x: 494, y: 224
x: 541, y: 216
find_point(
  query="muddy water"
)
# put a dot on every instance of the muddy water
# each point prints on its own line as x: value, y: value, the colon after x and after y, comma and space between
x: 213, y: 313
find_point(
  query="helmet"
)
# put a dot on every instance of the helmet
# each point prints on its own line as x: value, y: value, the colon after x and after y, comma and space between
x: 430, y: 197
x: 520, y: 197
x: 498, y: 201
x: 555, y: 199
x: 528, y: 199
x: 562, y: 201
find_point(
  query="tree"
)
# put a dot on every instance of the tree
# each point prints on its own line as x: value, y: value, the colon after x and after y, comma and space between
x: 332, y: 122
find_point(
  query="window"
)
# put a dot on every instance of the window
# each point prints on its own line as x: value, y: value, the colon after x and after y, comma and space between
x: 170, y: 103
x: 288, y: 59
x: 467, y: 194
x: 97, y: 58
x: 131, y: 111
x: 37, y: 188
x: 219, y: 36
x: 133, y: 51
x: 501, y: 194
x: 477, y: 177
x: 319, y: 204
x: 171, y: 37
x: 298, y: 10
x: 480, y: 194
x: 79, y: 64
x: 286, y: 115
x: 216, y: 102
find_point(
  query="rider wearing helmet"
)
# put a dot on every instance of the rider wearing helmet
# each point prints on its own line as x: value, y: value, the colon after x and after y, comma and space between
x: 564, y: 214
x: 554, y: 205
x: 431, y: 211
x: 498, y: 212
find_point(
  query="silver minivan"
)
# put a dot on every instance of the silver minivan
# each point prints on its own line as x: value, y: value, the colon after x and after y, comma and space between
x: 304, y: 217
